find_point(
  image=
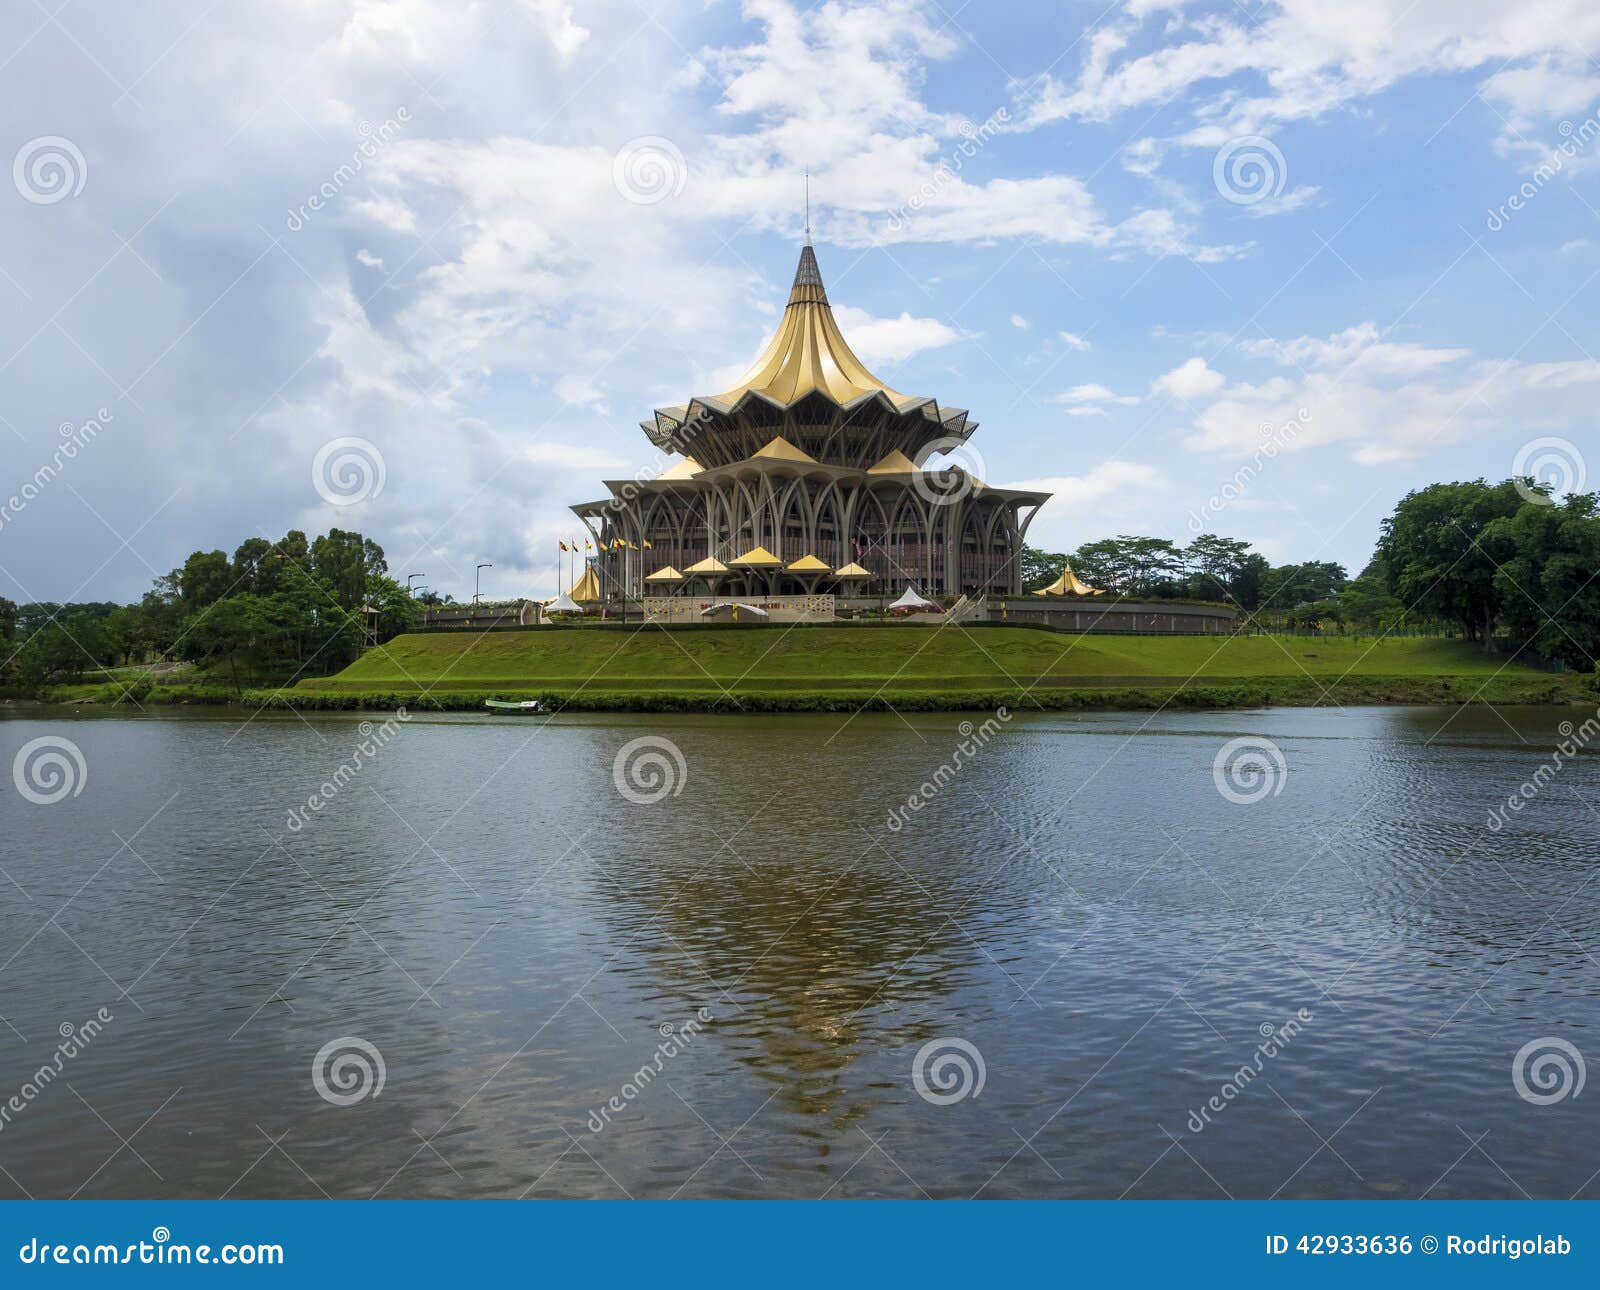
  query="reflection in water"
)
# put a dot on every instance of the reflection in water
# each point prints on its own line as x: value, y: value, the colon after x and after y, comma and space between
x: 513, y: 937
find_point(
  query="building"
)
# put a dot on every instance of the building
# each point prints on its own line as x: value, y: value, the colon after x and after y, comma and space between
x: 803, y: 479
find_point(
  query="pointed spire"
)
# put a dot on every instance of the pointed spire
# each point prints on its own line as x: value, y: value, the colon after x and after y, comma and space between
x: 808, y: 208
x: 807, y: 288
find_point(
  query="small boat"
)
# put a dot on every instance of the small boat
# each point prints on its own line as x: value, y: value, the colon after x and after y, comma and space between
x: 503, y: 705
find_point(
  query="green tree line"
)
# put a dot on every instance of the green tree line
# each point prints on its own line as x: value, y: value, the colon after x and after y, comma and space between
x: 1494, y: 563
x: 296, y: 606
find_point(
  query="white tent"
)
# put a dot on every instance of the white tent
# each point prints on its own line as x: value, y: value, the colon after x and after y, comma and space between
x: 732, y: 609
x: 911, y: 600
x: 563, y: 604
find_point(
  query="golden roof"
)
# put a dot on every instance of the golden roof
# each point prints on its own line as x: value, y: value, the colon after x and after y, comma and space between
x: 666, y: 573
x: 894, y: 463
x: 807, y: 564
x: 757, y: 557
x: 781, y: 448
x: 587, y: 587
x: 688, y: 468
x: 1069, y: 584
x: 808, y: 352
x: 709, y: 565
x: 852, y: 570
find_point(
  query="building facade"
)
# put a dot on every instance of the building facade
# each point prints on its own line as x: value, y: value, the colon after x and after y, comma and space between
x: 806, y: 478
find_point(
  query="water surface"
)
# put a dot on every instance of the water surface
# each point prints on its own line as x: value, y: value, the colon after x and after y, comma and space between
x: 1077, y: 902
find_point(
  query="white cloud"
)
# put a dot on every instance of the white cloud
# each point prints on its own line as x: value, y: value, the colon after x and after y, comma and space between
x: 1092, y: 392
x: 1073, y: 341
x: 1019, y: 322
x: 883, y: 342
x: 1298, y: 59
x: 1191, y: 381
x: 366, y: 257
x: 1114, y: 496
x: 1384, y: 402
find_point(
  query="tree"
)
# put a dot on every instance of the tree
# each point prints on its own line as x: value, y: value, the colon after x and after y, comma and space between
x: 1214, y: 563
x: 1245, y: 586
x: 235, y: 631
x: 1548, y: 579
x: 345, y: 562
x: 205, y: 578
x: 1366, y: 602
x: 1436, y: 560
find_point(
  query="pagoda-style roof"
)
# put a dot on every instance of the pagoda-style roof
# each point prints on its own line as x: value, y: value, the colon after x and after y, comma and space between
x: 807, y: 357
x: 852, y: 570
x: 666, y: 573
x: 587, y: 587
x: 709, y: 565
x: 808, y: 352
x: 807, y: 564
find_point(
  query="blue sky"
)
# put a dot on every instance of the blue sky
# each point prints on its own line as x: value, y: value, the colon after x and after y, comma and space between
x: 1158, y: 249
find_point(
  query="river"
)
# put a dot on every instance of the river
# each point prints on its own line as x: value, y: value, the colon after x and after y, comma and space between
x: 1092, y: 962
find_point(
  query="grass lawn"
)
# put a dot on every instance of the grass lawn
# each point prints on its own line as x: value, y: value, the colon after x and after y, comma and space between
x: 855, y: 659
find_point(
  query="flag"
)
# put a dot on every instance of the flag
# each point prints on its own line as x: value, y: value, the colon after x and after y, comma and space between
x: 647, y: 544
x: 587, y: 546
x: 562, y: 545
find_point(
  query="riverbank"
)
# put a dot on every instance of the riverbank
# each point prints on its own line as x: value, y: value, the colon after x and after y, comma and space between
x: 823, y: 669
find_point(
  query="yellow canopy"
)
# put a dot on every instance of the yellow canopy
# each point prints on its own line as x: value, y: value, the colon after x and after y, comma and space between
x: 709, y: 565
x: 688, y: 468
x: 781, y: 448
x: 587, y: 587
x: 757, y: 557
x: 807, y: 564
x: 666, y: 573
x: 894, y: 463
x: 852, y: 570
x: 1069, y: 584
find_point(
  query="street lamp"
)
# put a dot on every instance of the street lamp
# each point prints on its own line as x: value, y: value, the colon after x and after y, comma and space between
x: 477, y: 580
x: 409, y: 577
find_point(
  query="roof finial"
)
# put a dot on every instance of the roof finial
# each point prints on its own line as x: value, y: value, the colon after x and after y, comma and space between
x: 808, y: 207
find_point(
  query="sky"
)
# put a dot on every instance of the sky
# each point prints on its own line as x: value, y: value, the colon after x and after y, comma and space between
x: 420, y: 267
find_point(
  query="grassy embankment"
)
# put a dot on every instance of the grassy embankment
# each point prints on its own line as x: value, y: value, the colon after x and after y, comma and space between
x: 825, y: 668
x: 822, y: 668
